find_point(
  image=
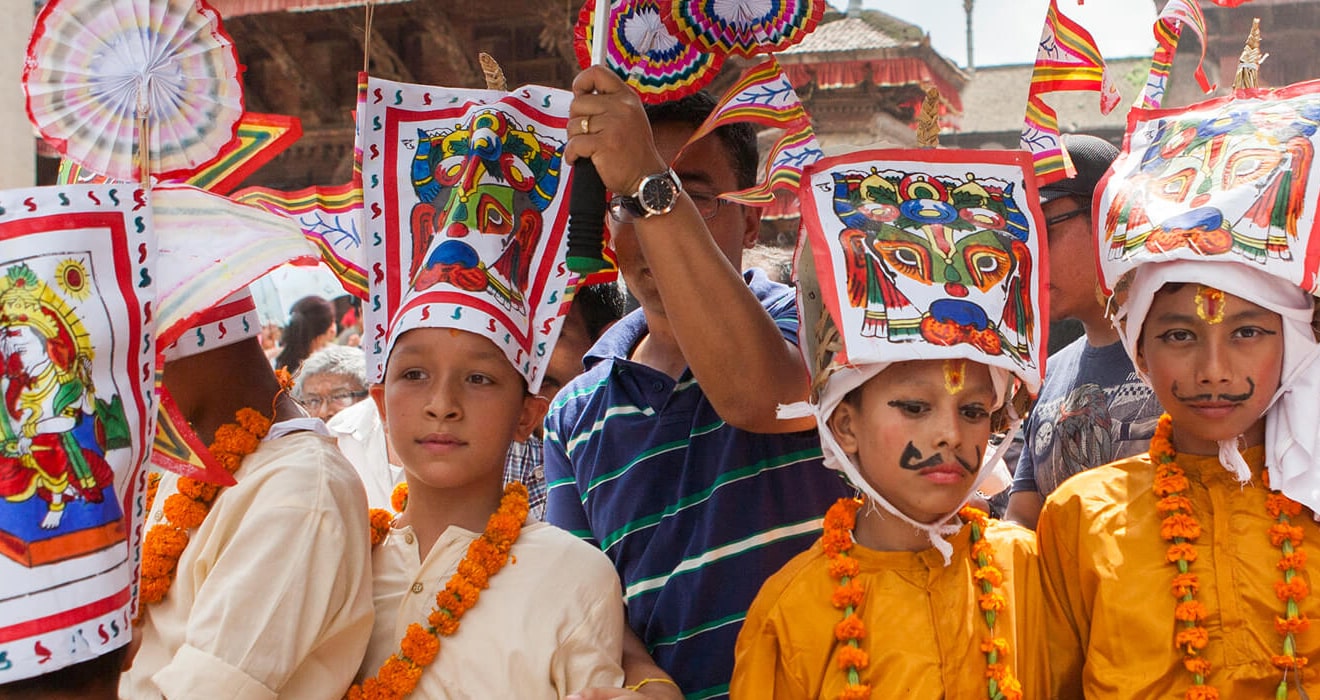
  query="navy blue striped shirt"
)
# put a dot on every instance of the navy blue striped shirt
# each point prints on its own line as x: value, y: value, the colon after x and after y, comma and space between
x: 694, y: 513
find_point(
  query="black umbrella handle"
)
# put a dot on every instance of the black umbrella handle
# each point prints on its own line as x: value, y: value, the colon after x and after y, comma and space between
x: 586, y: 219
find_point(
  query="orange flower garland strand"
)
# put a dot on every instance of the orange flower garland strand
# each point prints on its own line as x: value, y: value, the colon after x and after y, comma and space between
x: 380, y: 519
x: 1181, y: 529
x: 838, y: 541
x: 487, y: 554
x: 1000, y: 683
x: 1288, y: 538
x: 188, y: 508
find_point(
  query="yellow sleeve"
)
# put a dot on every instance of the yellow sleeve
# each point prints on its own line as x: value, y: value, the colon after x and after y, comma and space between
x: 760, y: 671
x: 1067, y: 617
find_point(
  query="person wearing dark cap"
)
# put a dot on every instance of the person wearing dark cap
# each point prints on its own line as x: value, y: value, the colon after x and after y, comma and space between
x: 1093, y: 408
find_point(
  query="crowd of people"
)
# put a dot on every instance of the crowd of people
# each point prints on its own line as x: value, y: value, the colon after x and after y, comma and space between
x: 708, y: 496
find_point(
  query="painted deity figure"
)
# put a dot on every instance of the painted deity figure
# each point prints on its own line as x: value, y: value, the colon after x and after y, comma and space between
x: 482, y: 186
x: 924, y: 254
x: 1236, y: 181
x: 53, y: 441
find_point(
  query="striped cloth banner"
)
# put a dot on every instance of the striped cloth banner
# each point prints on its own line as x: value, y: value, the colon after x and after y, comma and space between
x: 762, y: 95
x: 1066, y: 60
x: 794, y: 152
x: 330, y: 217
x: 1168, y: 28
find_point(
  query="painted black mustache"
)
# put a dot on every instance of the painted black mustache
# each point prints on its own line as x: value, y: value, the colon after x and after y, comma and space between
x: 912, y: 461
x: 1235, y: 398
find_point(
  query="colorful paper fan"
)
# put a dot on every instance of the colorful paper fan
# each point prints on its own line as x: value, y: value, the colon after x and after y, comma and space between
x: 644, y: 53
x: 743, y: 27
x: 92, y: 63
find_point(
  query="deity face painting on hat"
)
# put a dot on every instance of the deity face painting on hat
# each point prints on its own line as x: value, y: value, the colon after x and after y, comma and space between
x: 466, y: 219
x: 78, y: 358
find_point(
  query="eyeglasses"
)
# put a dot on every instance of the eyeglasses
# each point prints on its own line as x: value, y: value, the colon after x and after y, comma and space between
x: 1071, y: 214
x: 339, y: 399
x: 708, y: 205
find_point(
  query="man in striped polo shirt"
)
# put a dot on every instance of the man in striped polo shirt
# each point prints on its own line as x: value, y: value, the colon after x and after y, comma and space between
x: 667, y: 452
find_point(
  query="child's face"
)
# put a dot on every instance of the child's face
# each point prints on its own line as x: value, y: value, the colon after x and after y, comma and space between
x: 1214, y: 360
x: 453, y: 403
x: 918, y: 431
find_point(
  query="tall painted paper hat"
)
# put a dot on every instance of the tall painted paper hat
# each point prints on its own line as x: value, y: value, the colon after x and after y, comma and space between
x: 466, y: 200
x: 920, y: 254
x: 77, y: 341
x: 1224, y: 194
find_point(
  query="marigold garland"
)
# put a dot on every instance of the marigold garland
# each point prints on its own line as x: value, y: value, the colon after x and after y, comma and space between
x: 187, y: 509
x: 487, y: 554
x: 1180, y: 528
x: 1000, y: 683
x: 840, y: 520
x: 1292, y: 589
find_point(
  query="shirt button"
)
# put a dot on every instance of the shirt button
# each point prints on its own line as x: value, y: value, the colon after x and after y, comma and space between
x: 408, y: 537
x: 159, y: 515
x: 658, y: 386
x: 539, y: 472
x: 417, y: 587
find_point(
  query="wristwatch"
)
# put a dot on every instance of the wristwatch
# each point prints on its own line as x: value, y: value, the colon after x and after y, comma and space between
x: 656, y: 195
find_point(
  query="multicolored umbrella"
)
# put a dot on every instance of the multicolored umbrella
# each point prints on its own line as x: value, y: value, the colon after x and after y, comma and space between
x: 642, y: 50
x: 104, y: 75
x: 743, y: 27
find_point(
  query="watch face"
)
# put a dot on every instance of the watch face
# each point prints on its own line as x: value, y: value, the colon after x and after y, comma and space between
x: 658, y: 194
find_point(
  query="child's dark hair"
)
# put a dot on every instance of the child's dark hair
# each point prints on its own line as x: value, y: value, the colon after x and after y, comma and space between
x: 739, y: 138
x: 310, y: 317
x: 599, y: 305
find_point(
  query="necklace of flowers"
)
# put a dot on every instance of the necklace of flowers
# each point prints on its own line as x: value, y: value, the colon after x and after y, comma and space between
x: 487, y: 554
x: 188, y: 508
x: 1180, y: 528
x: 1000, y: 683
x: 381, y: 519
x: 840, y: 520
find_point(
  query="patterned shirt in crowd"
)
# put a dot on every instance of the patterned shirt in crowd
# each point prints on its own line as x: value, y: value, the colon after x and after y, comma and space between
x: 694, y: 513
x: 524, y: 464
x: 1093, y: 409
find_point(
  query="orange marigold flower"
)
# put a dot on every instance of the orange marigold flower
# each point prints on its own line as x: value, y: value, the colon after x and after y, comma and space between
x: 152, y: 589
x: 855, y: 692
x: 1189, y: 611
x: 1295, y: 589
x: 1284, y: 662
x: 999, y: 645
x: 1296, y: 560
x: 992, y: 601
x: 850, y: 593
x: 1278, y: 504
x: 997, y: 672
x: 1180, y: 525
x: 836, y: 542
x: 419, y: 645
x: 234, y: 440
x: 165, y: 541
x: 184, y: 512
x: 1185, y: 585
x: 253, y: 422
x: 850, y: 657
x: 1011, y: 688
x: 1191, y: 638
x: 981, y: 548
x: 379, y: 523
x: 399, y: 497
x: 842, y: 515
x: 474, y: 573
x: 1202, y: 692
x: 1197, y: 665
x: 1292, y: 625
x: 158, y: 567
x: 989, y: 574
x: 197, y: 490
x: 1183, y: 551
x: 1169, y: 485
x: 973, y: 514
x: 1281, y: 532
x: 1174, y: 503
x: 399, y: 675
x: 841, y: 567
x: 443, y: 622
x: 850, y: 627
x: 231, y: 462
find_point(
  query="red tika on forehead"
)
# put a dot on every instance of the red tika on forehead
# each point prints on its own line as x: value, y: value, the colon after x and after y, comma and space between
x: 1209, y: 304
